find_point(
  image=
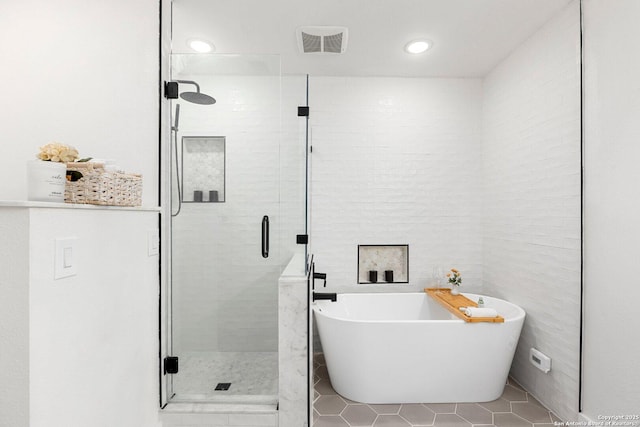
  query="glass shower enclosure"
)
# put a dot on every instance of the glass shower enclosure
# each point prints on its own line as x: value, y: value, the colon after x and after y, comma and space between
x: 237, y: 203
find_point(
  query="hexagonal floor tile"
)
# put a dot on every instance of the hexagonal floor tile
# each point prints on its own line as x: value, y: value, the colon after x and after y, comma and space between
x: 450, y: 420
x: 330, y: 421
x: 531, y: 412
x: 324, y: 387
x: 510, y: 420
x: 417, y: 414
x: 329, y: 405
x: 514, y: 384
x: 512, y: 394
x: 533, y: 400
x: 554, y: 417
x: 391, y: 421
x: 441, y: 408
x: 499, y: 405
x: 322, y: 372
x: 385, y: 409
x: 474, y: 413
x: 359, y: 415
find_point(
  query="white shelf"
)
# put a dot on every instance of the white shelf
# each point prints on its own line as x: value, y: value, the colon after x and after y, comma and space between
x: 50, y: 205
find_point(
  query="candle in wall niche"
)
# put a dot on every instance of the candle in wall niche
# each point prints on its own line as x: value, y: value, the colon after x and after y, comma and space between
x: 388, y: 276
x: 373, y: 276
x: 197, y: 196
x: 213, y: 196
x: 46, y: 180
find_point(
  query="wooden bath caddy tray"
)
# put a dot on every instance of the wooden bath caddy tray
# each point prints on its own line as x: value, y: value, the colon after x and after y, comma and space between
x: 454, y: 302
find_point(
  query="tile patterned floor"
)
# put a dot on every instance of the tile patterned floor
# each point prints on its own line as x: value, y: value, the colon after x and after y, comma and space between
x: 516, y: 408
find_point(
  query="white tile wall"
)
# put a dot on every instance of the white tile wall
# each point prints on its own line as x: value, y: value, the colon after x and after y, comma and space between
x: 225, y: 293
x: 531, y: 176
x: 396, y: 161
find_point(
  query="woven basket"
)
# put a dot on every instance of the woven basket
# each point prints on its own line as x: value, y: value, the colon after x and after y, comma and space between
x: 100, y: 187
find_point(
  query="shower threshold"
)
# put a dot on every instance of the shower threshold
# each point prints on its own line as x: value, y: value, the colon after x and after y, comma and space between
x: 220, y: 408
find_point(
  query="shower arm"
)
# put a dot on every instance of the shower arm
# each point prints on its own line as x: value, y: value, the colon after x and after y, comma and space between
x: 189, y: 82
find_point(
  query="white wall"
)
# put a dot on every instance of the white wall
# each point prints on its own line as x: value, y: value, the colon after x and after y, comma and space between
x: 611, y: 208
x: 396, y: 161
x: 14, y: 323
x: 84, y: 73
x: 93, y: 337
x: 87, y: 353
x: 531, y: 214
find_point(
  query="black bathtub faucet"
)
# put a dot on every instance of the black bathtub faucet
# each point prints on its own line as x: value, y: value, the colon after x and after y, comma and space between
x: 325, y: 295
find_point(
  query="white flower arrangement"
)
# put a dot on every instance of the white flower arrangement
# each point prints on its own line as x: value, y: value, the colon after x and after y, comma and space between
x: 62, y: 153
x: 56, y: 152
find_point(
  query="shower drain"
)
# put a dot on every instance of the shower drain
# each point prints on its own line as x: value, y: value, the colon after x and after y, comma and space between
x: 223, y: 386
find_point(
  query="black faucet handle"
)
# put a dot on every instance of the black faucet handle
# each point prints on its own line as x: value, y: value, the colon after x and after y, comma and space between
x: 322, y: 276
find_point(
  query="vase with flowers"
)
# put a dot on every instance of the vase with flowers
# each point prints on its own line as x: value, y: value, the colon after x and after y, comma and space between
x: 455, y: 279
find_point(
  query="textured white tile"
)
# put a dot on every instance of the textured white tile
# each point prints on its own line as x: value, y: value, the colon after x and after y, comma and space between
x: 531, y: 214
x: 396, y: 161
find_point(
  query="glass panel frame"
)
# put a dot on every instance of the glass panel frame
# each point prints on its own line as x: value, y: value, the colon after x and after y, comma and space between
x: 215, y: 274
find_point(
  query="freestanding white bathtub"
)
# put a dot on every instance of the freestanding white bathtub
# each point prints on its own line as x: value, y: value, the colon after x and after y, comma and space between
x: 406, y: 348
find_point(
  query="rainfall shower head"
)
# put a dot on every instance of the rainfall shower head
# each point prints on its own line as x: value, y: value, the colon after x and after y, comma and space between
x: 196, y: 97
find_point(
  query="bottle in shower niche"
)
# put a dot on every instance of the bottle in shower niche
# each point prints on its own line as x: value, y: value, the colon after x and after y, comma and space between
x: 373, y: 276
x: 197, y: 196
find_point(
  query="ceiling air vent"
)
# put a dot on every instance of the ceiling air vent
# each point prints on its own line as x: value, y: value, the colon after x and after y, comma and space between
x: 322, y: 39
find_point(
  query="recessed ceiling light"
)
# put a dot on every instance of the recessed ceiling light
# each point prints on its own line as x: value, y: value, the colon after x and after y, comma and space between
x: 418, y: 46
x: 200, y: 46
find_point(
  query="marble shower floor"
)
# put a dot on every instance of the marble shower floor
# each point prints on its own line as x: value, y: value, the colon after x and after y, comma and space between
x: 253, y: 377
x: 515, y: 408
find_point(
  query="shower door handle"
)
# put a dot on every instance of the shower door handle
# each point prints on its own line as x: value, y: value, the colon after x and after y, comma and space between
x: 265, y: 236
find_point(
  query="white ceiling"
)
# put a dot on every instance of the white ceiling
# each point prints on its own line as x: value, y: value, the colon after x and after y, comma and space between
x: 470, y: 36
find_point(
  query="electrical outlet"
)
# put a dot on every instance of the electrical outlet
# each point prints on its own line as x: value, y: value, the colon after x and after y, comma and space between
x: 540, y: 360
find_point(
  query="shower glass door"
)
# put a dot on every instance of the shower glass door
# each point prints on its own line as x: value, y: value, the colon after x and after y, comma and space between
x: 231, y: 233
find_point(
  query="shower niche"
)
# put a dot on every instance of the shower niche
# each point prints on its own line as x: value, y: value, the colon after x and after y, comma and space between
x: 203, y: 169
